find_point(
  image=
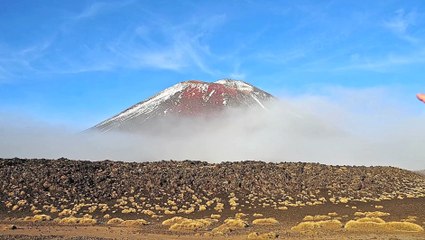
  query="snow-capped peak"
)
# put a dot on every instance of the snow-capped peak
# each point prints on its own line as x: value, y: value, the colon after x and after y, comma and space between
x: 189, y: 98
x: 240, y: 85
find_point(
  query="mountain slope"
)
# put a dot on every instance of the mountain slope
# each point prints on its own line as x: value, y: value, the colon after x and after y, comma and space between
x: 187, y: 99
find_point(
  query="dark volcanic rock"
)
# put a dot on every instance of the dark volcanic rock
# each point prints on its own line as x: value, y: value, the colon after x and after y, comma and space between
x: 44, y: 180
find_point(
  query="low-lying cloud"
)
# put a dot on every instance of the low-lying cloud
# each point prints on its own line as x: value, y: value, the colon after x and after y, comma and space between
x: 345, y: 127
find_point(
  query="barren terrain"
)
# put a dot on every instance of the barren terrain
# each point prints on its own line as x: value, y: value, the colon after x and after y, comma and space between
x: 55, y: 199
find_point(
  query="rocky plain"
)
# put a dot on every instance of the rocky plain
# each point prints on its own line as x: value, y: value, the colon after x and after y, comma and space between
x: 55, y: 199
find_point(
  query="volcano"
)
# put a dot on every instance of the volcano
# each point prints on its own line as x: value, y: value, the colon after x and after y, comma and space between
x: 188, y: 99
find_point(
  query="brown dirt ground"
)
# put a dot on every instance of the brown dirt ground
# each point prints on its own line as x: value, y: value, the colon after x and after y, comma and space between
x: 398, y: 209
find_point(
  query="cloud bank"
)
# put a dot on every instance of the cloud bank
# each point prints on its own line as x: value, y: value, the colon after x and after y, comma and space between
x: 346, y: 127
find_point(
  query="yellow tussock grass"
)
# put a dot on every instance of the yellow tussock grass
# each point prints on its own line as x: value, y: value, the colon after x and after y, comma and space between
x: 134, y: 223
x: 371, y: 214
x: 38, y: 218
x: 240, y: 215
x: 114, y: 221
x: 189, y: 225
x: 265, y: 221
x: 371, y: 219
x: 316, y: 218
x: 173, y: 220
x: 374, y: 226
x: 229, y: 225
x: 75, y: 220
x: 327, y: 225
x: 65, y: 212
x: 264, y: 236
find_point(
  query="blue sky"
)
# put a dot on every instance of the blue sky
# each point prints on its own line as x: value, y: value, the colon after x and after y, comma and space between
x: 79, y: 62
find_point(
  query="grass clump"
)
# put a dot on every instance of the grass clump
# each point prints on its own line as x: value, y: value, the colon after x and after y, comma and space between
x: 240, y: 215
x: 379, y: 225
x: 316, y: 218
x: 371, y: 219
x: 376, y: 214
x: 173, y: 220
x: 38, y: 218
x: 134, y: 223
x: 66, y: 212
x: 265, y: 221
x: 79, y: 221
x: 264, y: 236
x: 114, y: 221
x: 327, y: 225
x: 189, y: 225
x: 229, y: 225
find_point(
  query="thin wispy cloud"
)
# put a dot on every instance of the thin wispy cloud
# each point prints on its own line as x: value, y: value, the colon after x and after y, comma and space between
x: 237, y: 73
x: 157, y: 44
x: 283, y: 57
x: 97, y: 8
x: 180, y: 46
x: 385, y: 63
x: 401, y: 23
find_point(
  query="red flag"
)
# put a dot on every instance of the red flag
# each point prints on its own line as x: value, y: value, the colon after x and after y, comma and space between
x: 421, y: 97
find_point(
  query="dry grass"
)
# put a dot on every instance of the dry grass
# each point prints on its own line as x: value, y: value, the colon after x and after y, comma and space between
x: 316, y: 218
x: 87, y: 221
x: 148, y: 212
x: 189, y: 225
x: 168, y: 212
x: 114, y: 221
x: 173, y: 220
x: 37, y: 211
x: 134, y: 223
x: 128, y: 210
x: 219, y: 207
x: 265, y: 221
x: 375, y: 214
x: 240, y: 215
x: 79, y: 221
x: 409, y: 219
x: 371, y: 219
x: 333, y: 214
x: 229, y: 225
x: 66, y: 212
x: 327, y: 225
x: 264, y: 236
x: 38, y: 218
x: 375, y: 225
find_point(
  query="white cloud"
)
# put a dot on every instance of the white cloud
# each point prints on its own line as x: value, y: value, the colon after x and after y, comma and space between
x: 342, y: 126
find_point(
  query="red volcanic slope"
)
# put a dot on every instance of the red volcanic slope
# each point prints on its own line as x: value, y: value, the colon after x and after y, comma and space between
x: 191, y: 98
